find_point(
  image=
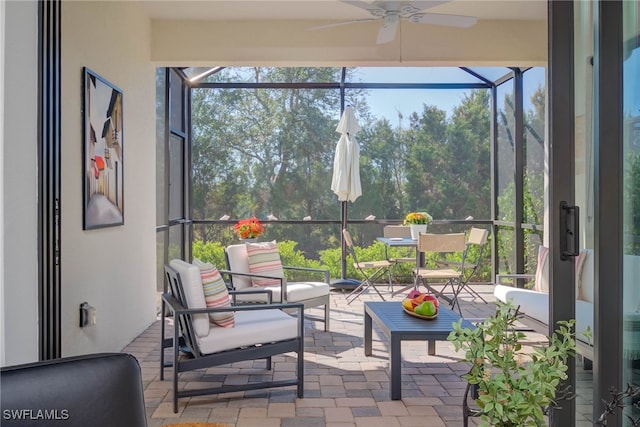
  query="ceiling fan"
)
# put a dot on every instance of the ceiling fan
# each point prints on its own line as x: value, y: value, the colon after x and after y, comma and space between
x: 391, y: 12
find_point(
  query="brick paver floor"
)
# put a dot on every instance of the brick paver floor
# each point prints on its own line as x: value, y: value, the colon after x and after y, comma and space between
x: 343, y: 387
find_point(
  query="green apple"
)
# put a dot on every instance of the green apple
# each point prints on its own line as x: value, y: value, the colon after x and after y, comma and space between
x: 427, y: 308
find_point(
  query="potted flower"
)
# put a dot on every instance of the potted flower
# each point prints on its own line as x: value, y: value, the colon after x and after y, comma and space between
x: 512, y: 387
x: 249, y: 228
x: 418, y: 222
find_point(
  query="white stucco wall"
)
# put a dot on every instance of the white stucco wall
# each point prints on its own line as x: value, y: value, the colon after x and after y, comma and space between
x: 114, y: 268
x: 111, y: 268
x: 178, y: 42
x: 19, y: 263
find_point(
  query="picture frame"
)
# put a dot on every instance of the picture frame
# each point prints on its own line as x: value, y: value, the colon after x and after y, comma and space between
x: 103, y: 153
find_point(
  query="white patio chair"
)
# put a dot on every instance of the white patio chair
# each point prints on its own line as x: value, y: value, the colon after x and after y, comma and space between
x: 263, y: 269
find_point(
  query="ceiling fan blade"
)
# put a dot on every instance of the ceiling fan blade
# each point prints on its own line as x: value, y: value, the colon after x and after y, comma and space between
x: 411, y: 7
x: 388, y: 30
x: 372, y: 8
x: 339, y: 24
x: 446, y: 20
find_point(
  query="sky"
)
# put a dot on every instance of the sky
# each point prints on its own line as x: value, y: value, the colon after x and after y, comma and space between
x: 397, y: 104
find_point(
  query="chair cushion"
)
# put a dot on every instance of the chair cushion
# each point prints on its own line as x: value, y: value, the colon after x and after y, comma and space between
x: 264, y: 259
x: 541, y: 283
x: 216, y: 293
x: 252, y: 327
x: 534, y: 304
x: 296, y: 291
x: 237, y: 262
x: 192, y: 286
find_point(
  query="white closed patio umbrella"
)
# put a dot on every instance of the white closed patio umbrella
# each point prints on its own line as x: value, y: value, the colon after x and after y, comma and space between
x: 346, y: 163
x: 346, y: 177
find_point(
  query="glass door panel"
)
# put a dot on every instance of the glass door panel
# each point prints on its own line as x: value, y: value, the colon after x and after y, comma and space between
x: 584, y: 198
x: 631, y: 200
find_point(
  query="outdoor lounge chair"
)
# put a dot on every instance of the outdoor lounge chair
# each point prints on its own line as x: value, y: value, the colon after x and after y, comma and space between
x: 263, y: 269
x: 258, y: 331
x: 379, y: 268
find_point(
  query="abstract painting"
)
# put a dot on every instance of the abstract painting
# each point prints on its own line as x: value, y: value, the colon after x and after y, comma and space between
x: 103, y: 164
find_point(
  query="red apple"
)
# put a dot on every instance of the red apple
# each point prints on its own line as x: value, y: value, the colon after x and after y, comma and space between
x: 431, y: 298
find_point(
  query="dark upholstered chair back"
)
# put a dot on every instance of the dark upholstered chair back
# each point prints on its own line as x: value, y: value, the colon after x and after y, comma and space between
x: 97, y: 390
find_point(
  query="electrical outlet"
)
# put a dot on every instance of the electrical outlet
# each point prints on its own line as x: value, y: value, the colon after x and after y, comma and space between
x: 87, y: 315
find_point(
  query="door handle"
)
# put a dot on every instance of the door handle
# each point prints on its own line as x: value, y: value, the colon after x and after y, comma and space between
x: 569, y: 231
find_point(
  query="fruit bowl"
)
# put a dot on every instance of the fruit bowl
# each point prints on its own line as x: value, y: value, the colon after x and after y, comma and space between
x: 419, y: 316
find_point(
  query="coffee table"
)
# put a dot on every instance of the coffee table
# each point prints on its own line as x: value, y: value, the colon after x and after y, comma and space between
x: 399, y: 326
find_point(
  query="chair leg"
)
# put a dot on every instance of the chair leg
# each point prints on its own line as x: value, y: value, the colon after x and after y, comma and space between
x: 470, y: 291
x: 327, y: 316
x: 162, y: 341
x: 176, y: 368
x: 357, y: 291
x: 300, y: 356
x: 365, y: 284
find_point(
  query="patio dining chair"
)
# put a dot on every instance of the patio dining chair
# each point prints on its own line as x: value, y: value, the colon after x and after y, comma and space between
x: 469, y: 266
x: 397, y: 231
x: 370, y: 270
x: 441, y: 244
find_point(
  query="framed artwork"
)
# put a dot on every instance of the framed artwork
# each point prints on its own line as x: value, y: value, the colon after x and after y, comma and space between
x: 102, y: 158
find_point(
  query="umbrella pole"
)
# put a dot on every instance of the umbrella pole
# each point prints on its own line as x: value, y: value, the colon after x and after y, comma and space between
x: 343, y: 282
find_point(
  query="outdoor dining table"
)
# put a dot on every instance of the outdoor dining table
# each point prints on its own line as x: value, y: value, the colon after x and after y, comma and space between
x: 405, y: 242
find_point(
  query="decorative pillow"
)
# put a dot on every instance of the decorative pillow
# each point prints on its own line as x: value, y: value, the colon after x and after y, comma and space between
x: 542, y: 271
x: 215, y: 294
x: 193, y: 295
x: 264, y: 259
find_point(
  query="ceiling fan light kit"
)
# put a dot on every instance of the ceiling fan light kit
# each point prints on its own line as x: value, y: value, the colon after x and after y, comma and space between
x: 391, y: 12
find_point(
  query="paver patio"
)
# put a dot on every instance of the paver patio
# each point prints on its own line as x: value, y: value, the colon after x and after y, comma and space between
x: 343, y: 387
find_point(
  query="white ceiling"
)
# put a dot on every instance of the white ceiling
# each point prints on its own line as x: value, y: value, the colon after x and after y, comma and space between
x: 331, y: 10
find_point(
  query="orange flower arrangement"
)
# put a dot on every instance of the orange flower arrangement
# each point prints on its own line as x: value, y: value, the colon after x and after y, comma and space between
x: 248, y: 228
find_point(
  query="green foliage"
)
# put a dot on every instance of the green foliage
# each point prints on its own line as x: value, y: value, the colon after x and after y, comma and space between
x: 270, y: 151
x: 331, y: 258
x: 293, y: 257
x: 212, y: 252
x: 515, y: 388
x: 632, y: 204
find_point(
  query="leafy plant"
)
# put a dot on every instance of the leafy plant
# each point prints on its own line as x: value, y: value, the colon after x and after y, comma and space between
x: 212, y: 252
x: 514, y: 388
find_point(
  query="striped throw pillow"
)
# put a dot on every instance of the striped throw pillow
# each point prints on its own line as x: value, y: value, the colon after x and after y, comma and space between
x: 264, y: 259
x: 216, y: 294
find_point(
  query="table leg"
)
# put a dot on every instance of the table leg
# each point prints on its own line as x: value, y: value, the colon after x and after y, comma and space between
x: 395, y: 362
x: 431, y: 347
x: 367, y: 334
